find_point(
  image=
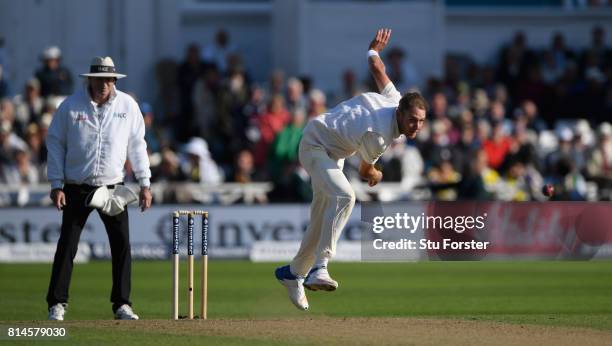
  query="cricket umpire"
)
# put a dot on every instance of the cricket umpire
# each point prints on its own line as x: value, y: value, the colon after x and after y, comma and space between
x: 91, y: 135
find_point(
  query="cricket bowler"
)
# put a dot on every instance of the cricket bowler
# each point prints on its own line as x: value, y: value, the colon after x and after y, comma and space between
x: 364, y: 125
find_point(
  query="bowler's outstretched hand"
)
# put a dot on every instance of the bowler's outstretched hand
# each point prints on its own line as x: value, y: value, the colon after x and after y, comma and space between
x: 380, y: 40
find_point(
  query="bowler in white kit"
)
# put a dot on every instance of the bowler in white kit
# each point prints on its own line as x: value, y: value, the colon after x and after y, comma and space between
x: 364, y: 125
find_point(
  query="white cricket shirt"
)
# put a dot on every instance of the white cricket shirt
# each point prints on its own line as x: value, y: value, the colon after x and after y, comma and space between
x: 365, y: 124
x: 88, y: 144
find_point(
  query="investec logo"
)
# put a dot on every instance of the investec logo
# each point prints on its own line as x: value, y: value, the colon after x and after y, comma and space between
x: 120, y: 115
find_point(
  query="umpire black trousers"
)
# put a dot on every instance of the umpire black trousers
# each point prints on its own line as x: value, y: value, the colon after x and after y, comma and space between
x: 74, y: 217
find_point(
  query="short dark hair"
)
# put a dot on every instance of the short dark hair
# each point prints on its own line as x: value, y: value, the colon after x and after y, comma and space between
x: 412, y: 100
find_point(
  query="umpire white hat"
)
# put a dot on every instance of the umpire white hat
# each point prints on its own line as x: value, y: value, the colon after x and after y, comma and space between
x: 102, y: 67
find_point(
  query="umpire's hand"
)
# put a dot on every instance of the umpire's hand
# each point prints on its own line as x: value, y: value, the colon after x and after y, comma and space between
x: 58, y: 197
x: 145, y: 198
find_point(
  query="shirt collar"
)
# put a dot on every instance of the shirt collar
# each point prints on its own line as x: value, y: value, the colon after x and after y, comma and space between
x: 112, y: 97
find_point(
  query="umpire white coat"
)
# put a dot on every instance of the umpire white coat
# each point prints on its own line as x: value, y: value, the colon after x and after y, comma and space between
x: 89, y: 145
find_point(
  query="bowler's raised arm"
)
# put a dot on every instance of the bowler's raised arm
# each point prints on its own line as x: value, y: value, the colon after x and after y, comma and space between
x: 377, y: 67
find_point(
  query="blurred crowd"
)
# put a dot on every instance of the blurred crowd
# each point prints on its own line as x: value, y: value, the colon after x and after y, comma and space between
x: 494, y: 131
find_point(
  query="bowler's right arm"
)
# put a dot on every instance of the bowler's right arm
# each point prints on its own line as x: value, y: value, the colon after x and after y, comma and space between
x: 375, y: 63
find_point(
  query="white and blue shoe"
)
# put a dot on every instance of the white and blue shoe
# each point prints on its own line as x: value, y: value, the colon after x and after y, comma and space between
x: 318, y: 279
x: 294, y: 285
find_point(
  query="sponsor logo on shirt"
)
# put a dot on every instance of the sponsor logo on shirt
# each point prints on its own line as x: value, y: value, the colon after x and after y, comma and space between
x: 120, y: 115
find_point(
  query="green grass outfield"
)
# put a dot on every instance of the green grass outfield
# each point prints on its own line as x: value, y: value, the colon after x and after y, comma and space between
x: 575, y: 294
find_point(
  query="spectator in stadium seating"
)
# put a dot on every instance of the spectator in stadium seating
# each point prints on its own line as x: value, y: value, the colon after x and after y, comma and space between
x: 522, y: 146
x: 7, y: 112
x: 500, y: 94
x: 595, y: 94
x: 462, y: 101
x: 560, y: 52
x: 402, y: 71
x: 205, y: 100
x: 567, y: 94
x: 218, y: 52
x: 244, y: 168
x: 514, y: 187
x: 296, y: 101
x: 199, y: 165
x: 480, y: 103
x: 411, y: 163
x: 234, y: 94
x: 465, y: 149
x: 20, y: 171
x: 479, y: 182
x: 551, y: 71
x: 520, y: 165
x: 483, y: 132
x: 439, y: 106
x: 566, y: 151
x: 283, y: 159
x: 283, y: 153
x: 270, y: 124
x: 513, y: 62
x: 599, y: 163
x: 152, y: 137
x: 250, y: 112
x: 402, y: 163
x: 569, y: 184
x: 473, y: 185
x: 168, y: 101
x: 9, y: 142
x: 36, y: 147
x: 29, y: 106
x: 45, y: 122
x: 441, y: 173
x: 169, y: 168
x: 350, y: 87
x: 497, y: 114
x: 169, y: 171
x: 188, y: 73
x: 316, y: 103
x: 598, y: 50
x: 529, y: 111
x: 497, y: 146
x: 54, y: 78
x: 276, y: 83
x: 439, y: 147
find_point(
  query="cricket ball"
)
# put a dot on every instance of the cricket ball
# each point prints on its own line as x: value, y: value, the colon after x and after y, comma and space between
x: 548, y: 190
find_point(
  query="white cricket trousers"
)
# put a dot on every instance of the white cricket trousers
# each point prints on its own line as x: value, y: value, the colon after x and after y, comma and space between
x: 332, y: 202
